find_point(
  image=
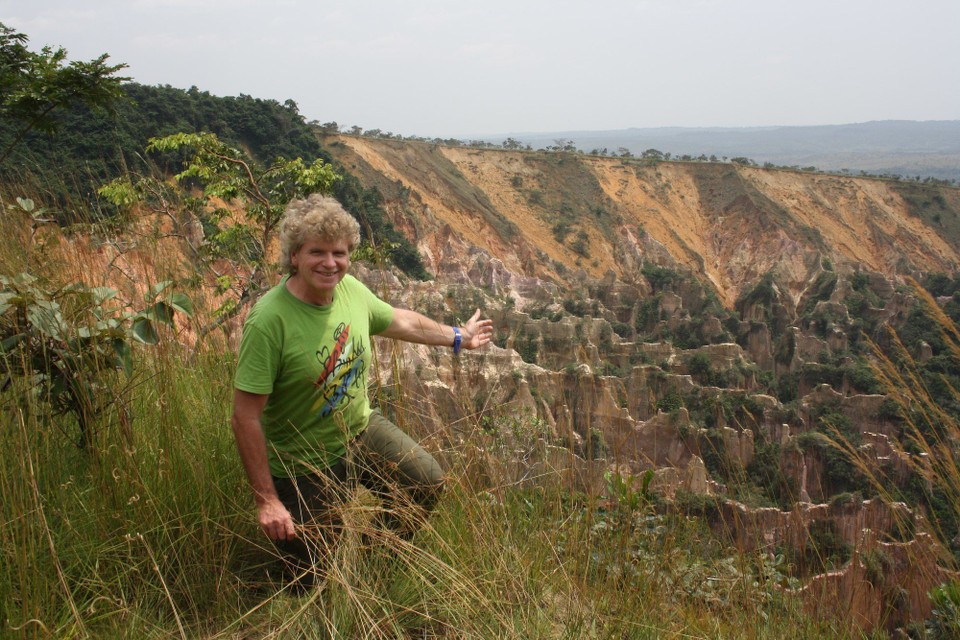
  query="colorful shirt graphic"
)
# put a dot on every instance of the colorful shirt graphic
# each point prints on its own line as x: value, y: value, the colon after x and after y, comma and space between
x: 313, y: 363
x: 343, y: 368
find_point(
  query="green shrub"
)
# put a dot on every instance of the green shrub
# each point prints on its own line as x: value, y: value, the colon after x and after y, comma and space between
x: 69, y: 346
x: 660, y: 278
x: 700, y: 368
x: 945, y: 617
x: 670, y: 402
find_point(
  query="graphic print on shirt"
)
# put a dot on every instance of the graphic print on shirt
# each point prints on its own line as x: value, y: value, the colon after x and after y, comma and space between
x: 342, y: 372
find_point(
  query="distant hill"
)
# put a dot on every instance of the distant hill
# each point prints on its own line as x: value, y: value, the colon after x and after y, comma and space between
x: 901, y: 147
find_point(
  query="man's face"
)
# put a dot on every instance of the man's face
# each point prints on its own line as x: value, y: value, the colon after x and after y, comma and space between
x: 321, y: 264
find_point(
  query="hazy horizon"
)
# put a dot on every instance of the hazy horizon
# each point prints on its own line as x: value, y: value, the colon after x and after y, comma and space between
x: 433, y: 69
x: 719, y: 128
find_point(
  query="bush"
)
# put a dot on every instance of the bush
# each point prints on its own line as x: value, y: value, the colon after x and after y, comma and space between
x: 622, y: 329
x: 700, y: 368
x: 862, y: 378
x: 825, y: 549
x: 648, y: 314
x: 945, y: 617
x: 581, y: 246
x: 69, y: 346
x: 526, y: 345
x: 671, y: 402
x: 660, y: 278
x: 765, y: 471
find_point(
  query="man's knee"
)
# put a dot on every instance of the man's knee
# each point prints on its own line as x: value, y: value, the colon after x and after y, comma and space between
x: 402, y: 457
x: 427, y: 494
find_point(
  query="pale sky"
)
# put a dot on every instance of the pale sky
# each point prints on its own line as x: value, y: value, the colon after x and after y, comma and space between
x: 443, y: 68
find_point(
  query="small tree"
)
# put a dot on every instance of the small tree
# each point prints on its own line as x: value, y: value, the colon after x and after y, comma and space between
x: 563, y: 144
x: 581, y: 246
x: 652, y: 155
x: 67, y: 346
x: 228, y: 175
x: 701, y: 368
x: 329, y: 127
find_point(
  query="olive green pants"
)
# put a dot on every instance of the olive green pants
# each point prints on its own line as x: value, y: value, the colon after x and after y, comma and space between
x: 407, y: 480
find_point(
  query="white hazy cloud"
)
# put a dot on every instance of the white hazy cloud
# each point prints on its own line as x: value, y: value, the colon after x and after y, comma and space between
x: 439, y: 68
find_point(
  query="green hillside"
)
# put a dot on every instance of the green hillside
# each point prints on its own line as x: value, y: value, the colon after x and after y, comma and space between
x: 92, y: 148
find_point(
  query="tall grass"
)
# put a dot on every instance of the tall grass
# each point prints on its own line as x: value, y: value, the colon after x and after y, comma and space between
x: 149, y: 532
x: 931, y: 445
x: 155, y: 537
x: 930, y: 437
x: 931, y: 431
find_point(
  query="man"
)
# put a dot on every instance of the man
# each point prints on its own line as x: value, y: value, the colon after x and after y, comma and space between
x: 302, y: 419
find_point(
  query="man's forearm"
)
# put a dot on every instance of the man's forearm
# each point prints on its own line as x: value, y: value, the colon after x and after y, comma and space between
x: 252, y: 447
x: 414, y: 327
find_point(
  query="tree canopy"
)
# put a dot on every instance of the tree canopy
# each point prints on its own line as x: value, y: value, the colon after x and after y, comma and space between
x: 37, y: 85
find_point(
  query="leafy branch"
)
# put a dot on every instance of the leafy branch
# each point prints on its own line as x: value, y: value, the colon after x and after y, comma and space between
x: 242, y: 205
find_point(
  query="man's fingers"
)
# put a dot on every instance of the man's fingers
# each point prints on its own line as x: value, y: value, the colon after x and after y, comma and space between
x: 477, y: 332
x: 276, y: 522
x: 280, y: 531
x: 480, y: 331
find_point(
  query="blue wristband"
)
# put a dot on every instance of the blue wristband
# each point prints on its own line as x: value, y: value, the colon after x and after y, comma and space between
x: 456, y: 340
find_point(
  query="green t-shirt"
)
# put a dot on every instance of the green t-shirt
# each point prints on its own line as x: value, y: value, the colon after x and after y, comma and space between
x: 313, y: 363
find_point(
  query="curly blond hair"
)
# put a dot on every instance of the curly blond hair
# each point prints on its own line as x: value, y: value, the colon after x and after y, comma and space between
x: 316, y: 216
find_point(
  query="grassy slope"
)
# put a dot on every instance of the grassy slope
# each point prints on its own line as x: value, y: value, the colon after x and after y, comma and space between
x: 151, y: 534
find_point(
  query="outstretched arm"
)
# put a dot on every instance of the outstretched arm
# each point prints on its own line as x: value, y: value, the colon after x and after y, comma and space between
x: 415, y: 327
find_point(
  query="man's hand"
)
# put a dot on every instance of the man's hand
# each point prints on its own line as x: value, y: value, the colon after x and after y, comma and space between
x: 275, y: 521
x: 477, y: 332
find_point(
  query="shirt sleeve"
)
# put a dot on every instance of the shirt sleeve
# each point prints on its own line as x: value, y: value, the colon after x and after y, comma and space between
x: 380, y: 312
x: 257, y: 362
x: 381, y: 315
